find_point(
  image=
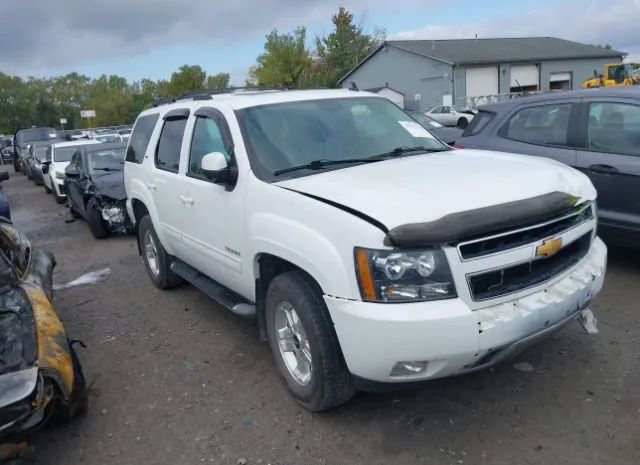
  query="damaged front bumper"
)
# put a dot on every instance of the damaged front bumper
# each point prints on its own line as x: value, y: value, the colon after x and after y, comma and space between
x: 447, y: 338
x: 114, y: 213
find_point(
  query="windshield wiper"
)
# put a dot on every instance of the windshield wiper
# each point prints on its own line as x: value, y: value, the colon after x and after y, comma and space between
x: 319, y: 164
x: 106, y: 169
x: 398, y: 151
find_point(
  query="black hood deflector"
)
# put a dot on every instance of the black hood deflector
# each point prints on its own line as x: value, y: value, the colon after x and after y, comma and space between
x: 482, y: 221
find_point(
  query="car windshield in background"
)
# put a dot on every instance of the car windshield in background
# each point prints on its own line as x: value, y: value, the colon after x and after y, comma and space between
x: 286, y: 135
x: 105, y: 161
x: 109, y: 138
x: 31, y: 134
x: 64, y: 153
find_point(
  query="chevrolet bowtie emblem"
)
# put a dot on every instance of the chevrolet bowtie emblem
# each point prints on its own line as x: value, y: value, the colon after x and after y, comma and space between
x: 549, y: 247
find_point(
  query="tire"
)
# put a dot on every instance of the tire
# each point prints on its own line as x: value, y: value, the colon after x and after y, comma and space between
x: 16, y: 166
x: 160, y: 270
x: 29, y: 175
x: 98, y: 226
x: 329, y: 383
x: 46, y: 188
x: 462, y: 123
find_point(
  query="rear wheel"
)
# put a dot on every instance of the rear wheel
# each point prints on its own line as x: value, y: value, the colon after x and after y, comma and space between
x: 463, y: 123
x: 304, y: 343
x: 98, y: 226
x: 156, y: 259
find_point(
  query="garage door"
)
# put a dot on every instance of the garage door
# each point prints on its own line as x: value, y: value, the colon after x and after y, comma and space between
x: 482, y: 81
x: 525, y: 76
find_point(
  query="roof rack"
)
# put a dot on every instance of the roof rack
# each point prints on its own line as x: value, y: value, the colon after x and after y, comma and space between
x: 206, y: 94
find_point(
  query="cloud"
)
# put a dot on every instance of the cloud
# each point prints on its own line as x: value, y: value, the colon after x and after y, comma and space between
x: 40, y: 34
x: 615, y: 23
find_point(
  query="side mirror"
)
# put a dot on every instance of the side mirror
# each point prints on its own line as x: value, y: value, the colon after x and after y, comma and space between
x: 45, y: 166
x: 215, y: 167
x: 4, y: 176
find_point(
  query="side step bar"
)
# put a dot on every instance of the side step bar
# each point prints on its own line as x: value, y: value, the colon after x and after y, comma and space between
x: 221, y: 294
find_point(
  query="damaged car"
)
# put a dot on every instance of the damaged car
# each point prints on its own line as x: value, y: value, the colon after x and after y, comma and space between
x: 40, y: 374
x: 95, y: 187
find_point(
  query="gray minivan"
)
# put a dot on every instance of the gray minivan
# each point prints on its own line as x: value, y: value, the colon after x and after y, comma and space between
x: 596, y: 131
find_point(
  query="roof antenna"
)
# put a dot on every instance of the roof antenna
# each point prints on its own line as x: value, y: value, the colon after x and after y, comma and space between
x: 354, y: 86
x: 476, y: 37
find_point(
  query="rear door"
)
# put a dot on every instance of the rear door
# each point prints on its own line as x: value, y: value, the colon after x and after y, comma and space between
x: 610, y: 156
x: 165, y: 181
x: 544, y: 129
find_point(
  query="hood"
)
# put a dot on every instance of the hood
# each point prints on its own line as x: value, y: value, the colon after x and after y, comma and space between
x: 448, y: 135
x: 426, y: 188
x: 110, y: 185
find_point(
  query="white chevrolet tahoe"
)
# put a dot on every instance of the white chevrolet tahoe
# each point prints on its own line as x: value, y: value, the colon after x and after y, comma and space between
x: 370, y: 253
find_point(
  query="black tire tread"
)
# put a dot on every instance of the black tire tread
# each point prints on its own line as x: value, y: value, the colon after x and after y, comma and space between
x: 167, y: 278
x: 336, y: 383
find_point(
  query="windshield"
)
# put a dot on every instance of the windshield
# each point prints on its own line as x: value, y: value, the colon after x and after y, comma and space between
x: 28, y: 135
x: 64, y: 153
x: 104, y: 161
x: 425, y: 120
x: 285, y: 135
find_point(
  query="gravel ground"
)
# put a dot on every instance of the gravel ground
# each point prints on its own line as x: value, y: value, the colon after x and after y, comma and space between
x: 178, y: 381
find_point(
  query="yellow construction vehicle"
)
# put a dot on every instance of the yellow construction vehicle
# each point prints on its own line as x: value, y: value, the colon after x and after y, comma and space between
x: 615, y: 74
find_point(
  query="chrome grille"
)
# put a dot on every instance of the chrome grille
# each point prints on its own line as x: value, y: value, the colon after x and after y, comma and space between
x: 512, y: 239
x: 520, y: 276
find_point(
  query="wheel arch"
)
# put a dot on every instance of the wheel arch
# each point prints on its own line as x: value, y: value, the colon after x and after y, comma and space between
x: 268, y: 266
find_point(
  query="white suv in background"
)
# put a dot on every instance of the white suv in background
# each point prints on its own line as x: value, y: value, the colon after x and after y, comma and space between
x: 370, y: 253
x: 53, y: 174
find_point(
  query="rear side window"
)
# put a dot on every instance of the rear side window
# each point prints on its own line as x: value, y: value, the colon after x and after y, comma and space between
x: 478, y: 123
x: 140, y: 138
x: 542, y: 125
x: 169, y: 145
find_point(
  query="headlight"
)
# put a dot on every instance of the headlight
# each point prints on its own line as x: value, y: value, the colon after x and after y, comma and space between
x: 24, y: 152
x: 403, y: 275
x: 60, y: 175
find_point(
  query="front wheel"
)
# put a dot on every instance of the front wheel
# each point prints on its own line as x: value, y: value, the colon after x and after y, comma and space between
x: 156, y: 259
x: 304, y: 343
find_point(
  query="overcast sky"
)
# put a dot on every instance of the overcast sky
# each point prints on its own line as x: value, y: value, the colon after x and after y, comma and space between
x: 151, y: 38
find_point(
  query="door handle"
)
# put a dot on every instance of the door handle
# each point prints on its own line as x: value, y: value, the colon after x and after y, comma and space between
x: 186, y: 199
x: 151, y: 186
x: 603, y: 169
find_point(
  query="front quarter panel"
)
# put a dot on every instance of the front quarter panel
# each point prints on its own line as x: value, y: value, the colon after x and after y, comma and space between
x: 315, y: 236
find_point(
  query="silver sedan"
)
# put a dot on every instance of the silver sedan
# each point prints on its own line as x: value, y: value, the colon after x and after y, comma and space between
x: 450, y: 116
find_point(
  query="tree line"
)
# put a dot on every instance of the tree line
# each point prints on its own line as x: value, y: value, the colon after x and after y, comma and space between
x: 287, y: 61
